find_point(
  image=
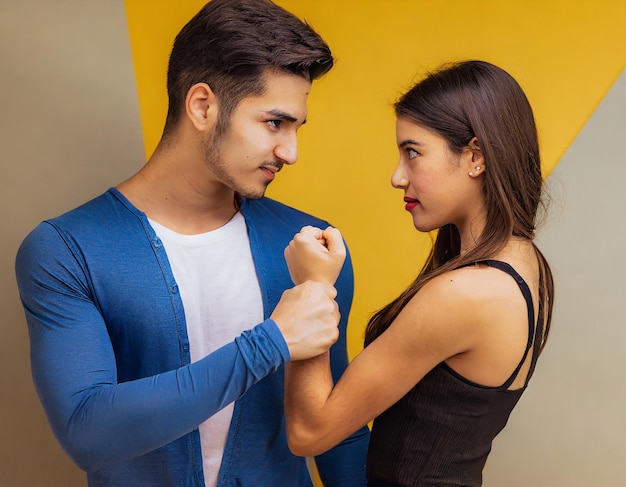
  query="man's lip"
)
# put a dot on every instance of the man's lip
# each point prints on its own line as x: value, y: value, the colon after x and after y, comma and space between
x: 270, y: 170
x: 269, y: 173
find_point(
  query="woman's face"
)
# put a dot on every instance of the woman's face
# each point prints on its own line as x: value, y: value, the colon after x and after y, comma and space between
x: 438, y: 189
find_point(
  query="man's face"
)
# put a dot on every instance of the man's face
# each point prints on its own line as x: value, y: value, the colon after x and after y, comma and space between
x: 260, y: 137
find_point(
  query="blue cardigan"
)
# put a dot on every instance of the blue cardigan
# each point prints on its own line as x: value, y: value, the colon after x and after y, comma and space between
x: 111, y: 364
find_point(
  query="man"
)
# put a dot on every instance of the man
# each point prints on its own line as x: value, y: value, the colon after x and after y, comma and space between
x: 156, y: 305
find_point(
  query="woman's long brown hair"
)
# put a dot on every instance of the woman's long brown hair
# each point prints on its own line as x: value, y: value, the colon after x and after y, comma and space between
x: 459, y: 102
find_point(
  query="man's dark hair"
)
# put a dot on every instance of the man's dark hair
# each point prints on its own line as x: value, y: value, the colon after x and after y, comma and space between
x: 229, y: 44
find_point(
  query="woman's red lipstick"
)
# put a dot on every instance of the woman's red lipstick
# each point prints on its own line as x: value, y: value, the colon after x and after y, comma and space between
x: 410, y: 203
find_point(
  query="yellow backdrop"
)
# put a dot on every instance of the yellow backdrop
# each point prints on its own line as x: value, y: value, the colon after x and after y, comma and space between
x: 565, y: 53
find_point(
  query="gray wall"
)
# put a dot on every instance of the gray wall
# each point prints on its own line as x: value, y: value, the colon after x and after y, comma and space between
x: 569, y: 428
x: 69, y: 128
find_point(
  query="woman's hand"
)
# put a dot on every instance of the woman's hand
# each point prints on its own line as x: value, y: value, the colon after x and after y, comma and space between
x: 315, y: 255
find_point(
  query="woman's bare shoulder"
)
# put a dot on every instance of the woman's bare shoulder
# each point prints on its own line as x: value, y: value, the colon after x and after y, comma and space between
x: 470, y: 285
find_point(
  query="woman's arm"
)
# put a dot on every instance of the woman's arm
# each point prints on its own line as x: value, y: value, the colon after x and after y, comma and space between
x: 315, y: 255
x: 430, y: 329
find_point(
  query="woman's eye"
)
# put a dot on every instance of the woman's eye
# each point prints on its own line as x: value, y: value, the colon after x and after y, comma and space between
x: 275, y: 123
x: 412, y: 153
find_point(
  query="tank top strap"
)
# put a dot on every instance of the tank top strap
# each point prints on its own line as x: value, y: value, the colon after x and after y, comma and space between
x: 537, y: 344
x: 507, y: 268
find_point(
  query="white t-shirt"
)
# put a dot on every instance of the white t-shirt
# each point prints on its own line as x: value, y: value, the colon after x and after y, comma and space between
x: 221, y: 296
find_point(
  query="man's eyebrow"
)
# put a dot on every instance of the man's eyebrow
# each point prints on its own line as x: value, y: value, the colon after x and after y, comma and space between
x: 282, y: 116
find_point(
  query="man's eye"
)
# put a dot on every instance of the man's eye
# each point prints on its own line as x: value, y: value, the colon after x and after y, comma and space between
x: 412, y: 153
x: 275, y: 123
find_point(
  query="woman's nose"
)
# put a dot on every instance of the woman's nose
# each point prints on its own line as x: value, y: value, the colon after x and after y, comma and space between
x: 398, y: 178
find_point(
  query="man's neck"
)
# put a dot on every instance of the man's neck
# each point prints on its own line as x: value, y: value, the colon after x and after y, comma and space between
x: 169, y: 194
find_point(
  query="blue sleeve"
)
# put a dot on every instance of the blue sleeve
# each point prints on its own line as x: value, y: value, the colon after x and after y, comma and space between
x: 344, y: 464
x: 97, y: 420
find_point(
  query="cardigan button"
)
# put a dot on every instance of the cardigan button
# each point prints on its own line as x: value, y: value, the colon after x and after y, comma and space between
x: 174, y: 289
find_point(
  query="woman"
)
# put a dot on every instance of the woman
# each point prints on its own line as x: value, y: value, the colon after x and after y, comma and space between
x: 445, y: 363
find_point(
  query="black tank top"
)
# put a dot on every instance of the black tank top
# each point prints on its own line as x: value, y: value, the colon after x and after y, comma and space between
x: 440, y: 433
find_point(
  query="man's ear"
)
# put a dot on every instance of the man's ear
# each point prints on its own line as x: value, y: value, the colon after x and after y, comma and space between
x: 201, y: 106
x: 475, y: 163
